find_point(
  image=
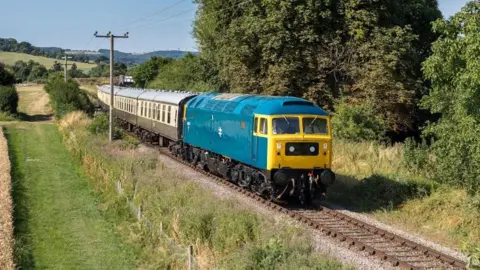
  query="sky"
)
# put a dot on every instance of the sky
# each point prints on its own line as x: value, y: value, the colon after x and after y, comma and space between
x: 152, y: 24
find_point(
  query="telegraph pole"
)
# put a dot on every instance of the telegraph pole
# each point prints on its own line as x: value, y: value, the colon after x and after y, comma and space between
x: 112, y: 41
x: 66, y: 65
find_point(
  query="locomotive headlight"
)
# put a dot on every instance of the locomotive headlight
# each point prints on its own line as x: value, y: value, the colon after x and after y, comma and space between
x: 325, y: 146
x: 312, y: 149
x: 279, y: 145
x: 291, y: 149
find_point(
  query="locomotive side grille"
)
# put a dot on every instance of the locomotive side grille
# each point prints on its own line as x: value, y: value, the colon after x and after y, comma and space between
x: 301, y: 149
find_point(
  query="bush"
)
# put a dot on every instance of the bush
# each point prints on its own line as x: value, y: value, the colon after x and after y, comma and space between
x: 357, y: 123
x: 100, y: 126
x: 67, y: 96
x: 456, y: 153
x: 8, y: 99
x: 416, y: 157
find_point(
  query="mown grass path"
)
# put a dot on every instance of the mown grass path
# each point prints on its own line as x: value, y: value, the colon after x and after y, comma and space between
x: 58, y: 223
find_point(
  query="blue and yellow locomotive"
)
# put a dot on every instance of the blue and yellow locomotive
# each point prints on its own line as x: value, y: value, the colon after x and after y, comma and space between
x: 278, y: 147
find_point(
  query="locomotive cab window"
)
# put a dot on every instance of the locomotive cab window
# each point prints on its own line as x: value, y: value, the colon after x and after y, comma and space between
x: 315, y: 125
x: 286, y: 125
x: 263, y: 126
x: 255, y: 125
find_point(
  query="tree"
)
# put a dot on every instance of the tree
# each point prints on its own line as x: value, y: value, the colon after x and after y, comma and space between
x: 101, y: 59
x: 6, y: 78
x: 322, y: 50
x: 147, y: 71
x: 57, y: 66
x: 454, y: 72
x: 8, y: 99
x: 66, y: 96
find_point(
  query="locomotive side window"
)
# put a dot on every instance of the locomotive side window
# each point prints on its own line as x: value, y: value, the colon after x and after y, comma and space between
x: 255, y: 125
x: 263, y: 126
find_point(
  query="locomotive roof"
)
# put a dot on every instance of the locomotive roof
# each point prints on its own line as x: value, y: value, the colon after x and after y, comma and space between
x: 171, y: 97
x: 248, y: 104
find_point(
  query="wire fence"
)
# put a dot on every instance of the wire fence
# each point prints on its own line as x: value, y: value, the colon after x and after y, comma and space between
x: 185, y: 253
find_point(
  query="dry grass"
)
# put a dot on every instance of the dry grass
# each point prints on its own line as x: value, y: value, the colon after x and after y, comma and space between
x: 365, y: 159
x: 223, y: 233
x: 402, y: 198
x: 6, y: 223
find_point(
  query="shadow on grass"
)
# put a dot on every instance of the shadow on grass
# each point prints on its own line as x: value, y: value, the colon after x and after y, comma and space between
x: 376, y: 192
x: 23, y: 245
x: 35, y: 117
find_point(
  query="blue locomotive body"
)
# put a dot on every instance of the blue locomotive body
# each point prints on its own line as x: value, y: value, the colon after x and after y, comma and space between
x: 225, y: 127
x: 225, y: 124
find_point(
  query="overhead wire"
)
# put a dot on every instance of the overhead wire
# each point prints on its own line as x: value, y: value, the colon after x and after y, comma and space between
x: 186, y: 11
x: 153, y: 14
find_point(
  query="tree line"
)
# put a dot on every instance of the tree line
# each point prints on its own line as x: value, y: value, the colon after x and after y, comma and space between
x: 387, y: 70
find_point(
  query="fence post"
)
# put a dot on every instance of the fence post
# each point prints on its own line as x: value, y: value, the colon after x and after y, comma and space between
x: 139, y: 212
x: 190, y: 257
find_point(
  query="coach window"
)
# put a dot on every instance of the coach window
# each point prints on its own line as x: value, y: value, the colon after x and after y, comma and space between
x: 159, y: 111
x: 163, y: 113
x: 175, y: 117
x: 169, y: 114
x: 263, y: 126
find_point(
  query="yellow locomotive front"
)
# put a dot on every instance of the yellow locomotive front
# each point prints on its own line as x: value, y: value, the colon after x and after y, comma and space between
x: 300, y: 155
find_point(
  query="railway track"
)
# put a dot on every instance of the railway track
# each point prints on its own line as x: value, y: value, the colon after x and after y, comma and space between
x: 400, y: 252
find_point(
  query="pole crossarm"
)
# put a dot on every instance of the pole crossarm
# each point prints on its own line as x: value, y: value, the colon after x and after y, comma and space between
x: 112, y: 40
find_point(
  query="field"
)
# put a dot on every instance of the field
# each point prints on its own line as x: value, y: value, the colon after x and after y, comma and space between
x: 10, y: 58
x: 59, y: 222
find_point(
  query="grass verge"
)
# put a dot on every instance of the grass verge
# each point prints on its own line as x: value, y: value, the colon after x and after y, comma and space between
x: 6, y: 208
x: 373, y: 179
x: 6, y: 117
x: 58, y: 221
x: 224, y: 234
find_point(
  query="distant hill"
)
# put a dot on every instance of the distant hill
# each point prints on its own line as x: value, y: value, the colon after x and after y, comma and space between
x: 12, y: 45
x: 128, y: 58
x: 10, y: 58
x: 136, y: 57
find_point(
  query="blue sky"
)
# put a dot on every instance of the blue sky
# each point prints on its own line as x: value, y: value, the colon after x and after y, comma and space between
x: 68, y: 24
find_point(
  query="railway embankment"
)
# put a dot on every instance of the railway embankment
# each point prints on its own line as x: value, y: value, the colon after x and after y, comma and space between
x: 6, y: 208
x: 176, y: 213
x: 373, y: 180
